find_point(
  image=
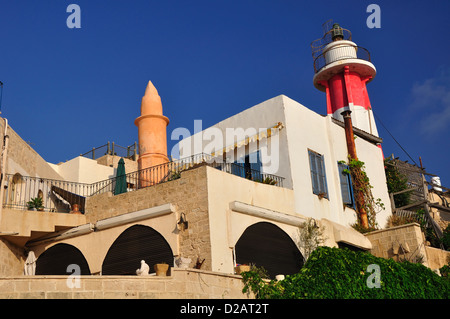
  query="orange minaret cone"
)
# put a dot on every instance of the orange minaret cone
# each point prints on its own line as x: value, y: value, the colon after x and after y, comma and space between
x: 152, y: 136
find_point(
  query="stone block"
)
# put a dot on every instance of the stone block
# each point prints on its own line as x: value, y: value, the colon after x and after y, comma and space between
x: 58, y: 295
x: 32, y: 295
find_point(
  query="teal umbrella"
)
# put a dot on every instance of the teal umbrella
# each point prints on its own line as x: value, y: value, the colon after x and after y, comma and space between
x: 121, y: 179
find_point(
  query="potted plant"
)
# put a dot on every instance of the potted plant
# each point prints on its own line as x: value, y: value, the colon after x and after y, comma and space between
x: 161, y: 269
x: 35, y: 204
x: 239, y: 269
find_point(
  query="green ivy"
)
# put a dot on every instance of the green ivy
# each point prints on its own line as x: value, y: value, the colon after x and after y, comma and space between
x: 333, y: 273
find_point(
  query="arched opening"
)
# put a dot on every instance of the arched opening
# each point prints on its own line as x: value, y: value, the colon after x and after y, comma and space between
x: 56, y: 259
x: 136, y: 243
x: 266, y: 245
x: 15, y: 188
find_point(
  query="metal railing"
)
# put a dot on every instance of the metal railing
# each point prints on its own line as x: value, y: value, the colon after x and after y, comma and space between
x: 60, y: 196
x: 54, y: 195
x: 353, y: 52
x: 111, y: 148
x: 172, y: 170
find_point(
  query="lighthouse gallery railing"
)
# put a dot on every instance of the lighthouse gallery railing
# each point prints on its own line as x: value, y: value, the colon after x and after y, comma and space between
x: 354, y: 52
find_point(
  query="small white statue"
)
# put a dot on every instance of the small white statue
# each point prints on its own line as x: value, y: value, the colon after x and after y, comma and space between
x: 144, y: 270
x: 30, y: 264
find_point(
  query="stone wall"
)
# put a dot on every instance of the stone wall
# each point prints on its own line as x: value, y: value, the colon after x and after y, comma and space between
x: 395, y: 241
x: 437, y: 258
x: 23, y: 159
x: 390, y: 243
x: 188, y: 194
x: 181, y: 284
x: 11, y: 259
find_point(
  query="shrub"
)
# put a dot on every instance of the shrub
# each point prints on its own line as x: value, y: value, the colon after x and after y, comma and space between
x: 341, y: 273
x: 446, y: 237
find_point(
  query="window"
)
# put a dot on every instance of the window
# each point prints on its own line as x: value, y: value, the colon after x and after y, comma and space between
x: 346, y: 185
x: 249, y: 167
x: 318, y: 178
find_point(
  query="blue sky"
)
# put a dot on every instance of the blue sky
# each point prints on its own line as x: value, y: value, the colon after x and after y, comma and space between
x: 68, y: 90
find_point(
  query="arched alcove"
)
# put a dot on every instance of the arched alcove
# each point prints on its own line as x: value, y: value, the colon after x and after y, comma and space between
x: 266, y: 245
x: 136, y: 243
x: 56, y: 259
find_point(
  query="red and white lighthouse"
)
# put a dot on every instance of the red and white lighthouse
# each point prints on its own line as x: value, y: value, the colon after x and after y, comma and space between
x: 342, y: 70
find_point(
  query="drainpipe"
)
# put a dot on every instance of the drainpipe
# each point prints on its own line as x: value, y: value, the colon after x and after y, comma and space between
x: 351, y: 149
x: 3, y: 166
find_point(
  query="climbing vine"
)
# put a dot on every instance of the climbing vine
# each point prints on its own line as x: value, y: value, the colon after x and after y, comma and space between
x: 363, y: 195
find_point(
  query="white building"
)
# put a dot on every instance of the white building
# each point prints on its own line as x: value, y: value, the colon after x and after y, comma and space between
x: 284, y: 138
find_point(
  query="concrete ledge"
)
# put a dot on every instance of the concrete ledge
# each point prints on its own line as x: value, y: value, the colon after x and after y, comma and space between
x: 181, y: 284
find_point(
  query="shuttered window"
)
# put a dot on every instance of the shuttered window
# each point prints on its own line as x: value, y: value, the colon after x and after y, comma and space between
x: 56, y: 260
x: 136, y: 243
x: 266, y: 245
x: 346, y: 185
x: 318, y: 177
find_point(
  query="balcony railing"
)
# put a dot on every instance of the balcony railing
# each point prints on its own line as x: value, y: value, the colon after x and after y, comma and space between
x: 338, y: 53
x: 60, y: 196
x: 112, y: 149
x: 56, y: 195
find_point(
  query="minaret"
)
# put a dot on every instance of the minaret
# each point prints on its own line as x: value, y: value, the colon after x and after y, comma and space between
x: 152, y: 131
x: 342, y: 70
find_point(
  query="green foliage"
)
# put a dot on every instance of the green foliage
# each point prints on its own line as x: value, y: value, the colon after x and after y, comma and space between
x: 35, y: 203
x: 396, y: 182
x: 332, y: 273
x: 445, y: 271
x: 174, y: 175
x: 267, y: 180
x: 363, y: 195
x: 310, y: 236
x: 446, y: 237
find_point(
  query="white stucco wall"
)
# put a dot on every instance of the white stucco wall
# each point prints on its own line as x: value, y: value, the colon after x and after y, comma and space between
x: 259, y: 117
x: 84, y: 170
x: 227, y: 226
x: 305, y: 130
x: 308, y: 130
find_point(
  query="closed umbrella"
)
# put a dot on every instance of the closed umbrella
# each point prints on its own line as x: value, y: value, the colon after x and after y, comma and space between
x: 121, y: 180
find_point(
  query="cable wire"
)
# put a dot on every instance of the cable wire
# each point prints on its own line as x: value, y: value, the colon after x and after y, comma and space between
x: 394, y: 138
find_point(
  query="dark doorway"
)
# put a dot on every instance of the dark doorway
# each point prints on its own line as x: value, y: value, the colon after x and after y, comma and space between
x: 56, y: 259
x: 136, y: 243
x: 266, y: 245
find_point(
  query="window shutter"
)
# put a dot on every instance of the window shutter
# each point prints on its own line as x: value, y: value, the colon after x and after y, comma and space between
x: 321, y: 173
x: 313, y: 166
x: 345, y: 185
x: 318, y: 176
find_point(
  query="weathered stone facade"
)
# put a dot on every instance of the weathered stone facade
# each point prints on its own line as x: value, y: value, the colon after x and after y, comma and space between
x: 188, y: 194
x: 11, y: 259
x: 181, y: 284
x: 406, y: 242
